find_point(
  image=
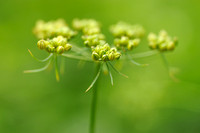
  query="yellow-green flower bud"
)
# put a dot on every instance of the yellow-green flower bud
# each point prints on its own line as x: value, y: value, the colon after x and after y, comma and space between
x: 105, y: 57
x: 101, y: 36
x: 117, y: 55
x: 67, y: 47
x: 163, y: 47
x: 163, y: 33
x: 95, y: 56
x: 113, y: 50
x: 55, y: 42
x: 161, y: 39
x: 124, y: 40
x: 130, y: 45
x: 86, y: 43
x: 106, y: 47
x: 152, y: 37
x: 60, y: 49
x: 130, y: 33
x: 91, y: 31
x: 102, y: 42
x: 170, y: 46
x: 152, y: 45
x: 117, y: 41
x: 50, y: 48
x: 95, y: 41
x: 136, y: 42
x: 102, y: 52
x: 111, y: 56
x: 61, y: 41
x: 42, y: 44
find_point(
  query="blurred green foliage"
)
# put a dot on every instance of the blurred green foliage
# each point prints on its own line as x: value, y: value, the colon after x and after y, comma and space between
x: 148, y: 102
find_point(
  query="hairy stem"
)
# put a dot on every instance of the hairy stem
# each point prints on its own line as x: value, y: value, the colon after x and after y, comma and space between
x: 94, y: 104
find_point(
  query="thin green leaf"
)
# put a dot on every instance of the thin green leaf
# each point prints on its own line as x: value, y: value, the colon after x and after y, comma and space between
x: 136, y: 63
x: 111, y: 77
x: 40, y: 69
x: 95, y: 79
x: 165, y: 61
x: 117, y: 70
x: 39, y: 60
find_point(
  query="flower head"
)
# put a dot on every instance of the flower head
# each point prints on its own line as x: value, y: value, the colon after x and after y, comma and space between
x: 105, y: 53
x: 47, y: 30
x: 56, y: 45
x: 124, y: 29
x: 162, y: 41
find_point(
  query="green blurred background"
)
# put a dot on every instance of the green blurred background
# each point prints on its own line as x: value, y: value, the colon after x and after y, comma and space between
x: 147, y: 102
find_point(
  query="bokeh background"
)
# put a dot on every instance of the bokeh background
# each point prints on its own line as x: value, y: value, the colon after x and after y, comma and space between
x: 147, y: 102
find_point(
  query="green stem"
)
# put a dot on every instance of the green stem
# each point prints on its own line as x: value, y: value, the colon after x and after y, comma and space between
x: 171, y: 73
x: 62, y: 66
x: 56, y: 68
x: 165, y: 61
x: 94, y: 104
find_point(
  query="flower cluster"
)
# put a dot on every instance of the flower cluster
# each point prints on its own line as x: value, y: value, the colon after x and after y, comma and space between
x: 125, y: 43
x: 56, y: 45
x: 94, y: 39
x: 162, y: 41
x: 91, y: 31
x: 87, y: 26
x: 54, y: 37
x: 46, y: 30
x: 125, y: 29
x: 105, y: 53
x: 126, y: 36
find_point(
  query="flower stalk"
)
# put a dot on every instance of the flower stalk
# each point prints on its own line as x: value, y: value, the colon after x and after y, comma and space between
x: 94, y: 104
